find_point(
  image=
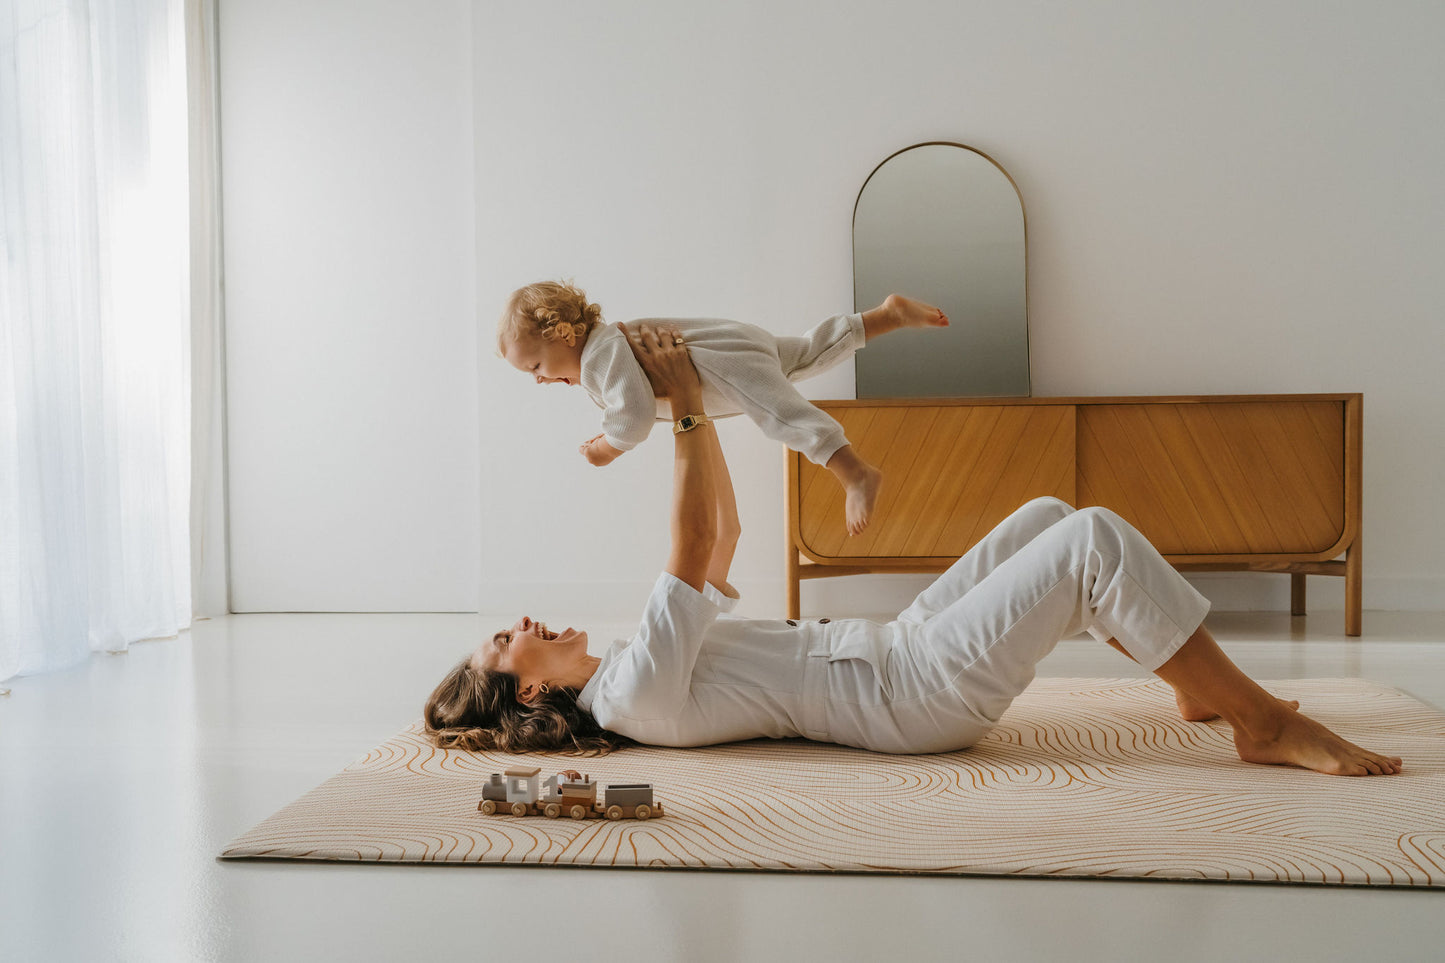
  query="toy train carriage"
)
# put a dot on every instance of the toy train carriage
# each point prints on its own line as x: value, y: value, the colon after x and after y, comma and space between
x: 521, y: 792
x: 630, y: 801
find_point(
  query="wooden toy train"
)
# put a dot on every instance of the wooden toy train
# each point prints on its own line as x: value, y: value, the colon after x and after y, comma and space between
x: 520, y: 792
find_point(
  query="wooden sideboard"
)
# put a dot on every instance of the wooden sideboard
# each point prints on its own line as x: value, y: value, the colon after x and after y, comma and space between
x: 1265, y: 483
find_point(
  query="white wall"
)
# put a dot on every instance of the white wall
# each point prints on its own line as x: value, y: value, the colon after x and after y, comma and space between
x: 351, y: 346
x: 1223, y: 197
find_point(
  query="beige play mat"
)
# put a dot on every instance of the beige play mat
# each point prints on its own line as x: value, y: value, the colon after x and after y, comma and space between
x: 1084, y: 777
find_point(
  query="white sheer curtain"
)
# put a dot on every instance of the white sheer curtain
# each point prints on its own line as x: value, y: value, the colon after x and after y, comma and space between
x: 95, y: 343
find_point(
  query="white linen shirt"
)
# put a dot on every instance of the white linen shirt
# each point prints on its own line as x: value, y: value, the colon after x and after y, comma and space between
x: 688, y: 678
x: 694, y: 676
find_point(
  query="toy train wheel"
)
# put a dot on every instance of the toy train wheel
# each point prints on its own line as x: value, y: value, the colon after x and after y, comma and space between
x: 578, y: 812
x: 519, y: 809
x: 488, y: 806
x: 643, y: 811
x: 614, y: 812
x: 552, y: 811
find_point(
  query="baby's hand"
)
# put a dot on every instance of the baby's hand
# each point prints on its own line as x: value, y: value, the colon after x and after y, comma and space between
x: 598, y: 452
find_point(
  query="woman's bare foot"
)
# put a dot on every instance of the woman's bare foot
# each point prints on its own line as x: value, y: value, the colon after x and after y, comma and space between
x: 1298, y: 740
x: 860, y: 482
x: 896, y: 312
x: 1192, y: 710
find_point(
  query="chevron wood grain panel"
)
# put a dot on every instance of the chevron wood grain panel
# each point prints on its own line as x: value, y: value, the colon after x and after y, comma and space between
x: 1220, y: 479
x: 950, y: 475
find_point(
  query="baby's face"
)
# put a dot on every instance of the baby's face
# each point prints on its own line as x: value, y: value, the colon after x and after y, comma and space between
x: 550, y: 362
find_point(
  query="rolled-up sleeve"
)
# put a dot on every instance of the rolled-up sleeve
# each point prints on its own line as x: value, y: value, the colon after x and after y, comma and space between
x: 651, y: 678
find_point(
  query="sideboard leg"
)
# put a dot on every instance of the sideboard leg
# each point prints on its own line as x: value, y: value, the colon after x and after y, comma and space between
x: 794, y: 603
x: 1296, y: 593
x: 1353, y: 589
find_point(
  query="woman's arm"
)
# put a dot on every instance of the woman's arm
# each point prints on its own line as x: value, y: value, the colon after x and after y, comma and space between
x: 694, y: 521
x: 729, y: 528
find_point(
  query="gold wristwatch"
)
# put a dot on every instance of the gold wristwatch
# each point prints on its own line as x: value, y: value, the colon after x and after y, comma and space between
x: 688, y: 423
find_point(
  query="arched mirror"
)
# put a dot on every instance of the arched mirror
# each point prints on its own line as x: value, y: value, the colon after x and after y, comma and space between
x: 944, y: 223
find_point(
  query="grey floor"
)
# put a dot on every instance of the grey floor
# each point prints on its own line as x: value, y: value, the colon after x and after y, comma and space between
x: 122, y: 778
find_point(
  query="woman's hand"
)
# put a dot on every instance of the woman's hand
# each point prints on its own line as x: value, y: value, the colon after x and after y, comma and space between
x: 663, y: 354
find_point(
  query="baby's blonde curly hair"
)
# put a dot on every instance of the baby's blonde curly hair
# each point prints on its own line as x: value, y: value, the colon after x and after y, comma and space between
x: 549, y: 310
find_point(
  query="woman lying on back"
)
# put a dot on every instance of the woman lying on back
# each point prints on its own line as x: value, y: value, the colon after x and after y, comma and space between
x: 934, y: 679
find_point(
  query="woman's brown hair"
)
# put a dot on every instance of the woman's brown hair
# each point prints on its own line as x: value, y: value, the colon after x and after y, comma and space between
x: 476, y: 709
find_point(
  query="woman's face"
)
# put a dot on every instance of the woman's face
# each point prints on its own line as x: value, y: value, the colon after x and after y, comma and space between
x: 532, y: 652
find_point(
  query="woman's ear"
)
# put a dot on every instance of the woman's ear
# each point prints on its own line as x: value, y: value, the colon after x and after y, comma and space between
x: 528, y: 693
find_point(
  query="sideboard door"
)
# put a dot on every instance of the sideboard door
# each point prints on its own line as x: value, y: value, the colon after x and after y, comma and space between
x: 950, y: 474
x: 1222, y: 479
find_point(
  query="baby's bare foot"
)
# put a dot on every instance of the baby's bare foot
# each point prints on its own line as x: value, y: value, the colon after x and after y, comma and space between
x: 862, y: 493
x: 1301, y: 741
x: 909, y: 313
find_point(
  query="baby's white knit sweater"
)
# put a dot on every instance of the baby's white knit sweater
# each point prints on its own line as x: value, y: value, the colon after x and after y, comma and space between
x: 744, y: 370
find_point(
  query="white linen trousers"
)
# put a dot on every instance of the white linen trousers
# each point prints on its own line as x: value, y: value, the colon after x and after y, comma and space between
x: 935, y: 679
x: 968, y: 644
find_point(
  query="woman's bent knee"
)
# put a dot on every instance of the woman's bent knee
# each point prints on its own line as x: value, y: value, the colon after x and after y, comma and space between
x: 1097, y: 516
x: 1058, y: 504
x: 1047, y: 505
x: 1098, y: 522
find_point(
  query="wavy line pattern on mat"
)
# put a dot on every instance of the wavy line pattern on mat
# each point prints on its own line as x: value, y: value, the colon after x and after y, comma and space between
x: 1083, y: 777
